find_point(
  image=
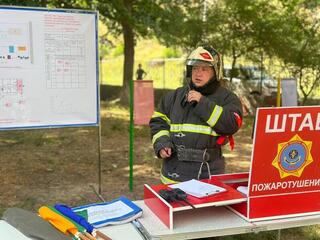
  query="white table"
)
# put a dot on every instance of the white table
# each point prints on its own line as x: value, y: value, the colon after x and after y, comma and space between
x: 7, y: 232
x: 122, y: 232
x: 191, y: 224
x: 206, y: 222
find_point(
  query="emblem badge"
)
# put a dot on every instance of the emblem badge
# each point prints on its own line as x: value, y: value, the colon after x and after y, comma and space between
x: 206, y: 56
x: 293, y: 156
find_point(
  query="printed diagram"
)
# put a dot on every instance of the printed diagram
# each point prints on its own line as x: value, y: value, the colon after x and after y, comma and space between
x: 11, y: 93
x: 15, y: 45
x: 65, y: 61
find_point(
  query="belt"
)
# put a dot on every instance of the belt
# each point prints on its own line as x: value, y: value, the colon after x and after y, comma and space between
x: 196, y: 155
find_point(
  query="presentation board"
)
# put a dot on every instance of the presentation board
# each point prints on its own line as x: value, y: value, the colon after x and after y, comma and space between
x: 289, y: 92
x: 49, y: 68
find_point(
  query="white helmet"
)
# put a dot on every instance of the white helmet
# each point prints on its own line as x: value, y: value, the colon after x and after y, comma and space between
x: 205, y: 55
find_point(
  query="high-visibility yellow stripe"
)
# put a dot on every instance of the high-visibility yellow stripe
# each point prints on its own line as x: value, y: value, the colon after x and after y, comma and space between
x: 161, y: 115
x: 166, y: 180
x: 202, y: 129
x: 160, y: 134
x: 215, y: 115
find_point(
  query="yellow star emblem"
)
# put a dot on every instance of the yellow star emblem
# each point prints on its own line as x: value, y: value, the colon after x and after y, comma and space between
x: 293, y: 156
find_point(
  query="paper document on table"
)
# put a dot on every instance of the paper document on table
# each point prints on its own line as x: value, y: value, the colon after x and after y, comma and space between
x: 243, y: 190
x: 118, y: 211
x: 198, y: 189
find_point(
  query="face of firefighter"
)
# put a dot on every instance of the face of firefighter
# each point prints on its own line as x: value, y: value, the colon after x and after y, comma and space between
x: 201, y: 74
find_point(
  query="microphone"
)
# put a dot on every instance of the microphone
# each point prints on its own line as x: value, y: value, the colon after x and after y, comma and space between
x: 194, y: 102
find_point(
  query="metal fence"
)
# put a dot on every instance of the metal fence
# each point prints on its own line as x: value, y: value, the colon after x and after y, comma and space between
x: 166, y: 73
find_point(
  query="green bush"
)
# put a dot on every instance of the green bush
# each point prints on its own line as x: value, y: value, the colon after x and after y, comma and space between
x: 119, y: 50
x: 171, y: 53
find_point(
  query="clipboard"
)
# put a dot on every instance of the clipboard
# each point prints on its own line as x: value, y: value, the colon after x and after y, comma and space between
x: 198, y: 189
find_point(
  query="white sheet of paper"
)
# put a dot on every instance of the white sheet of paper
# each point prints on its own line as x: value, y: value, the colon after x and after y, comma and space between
x: 198, y: 189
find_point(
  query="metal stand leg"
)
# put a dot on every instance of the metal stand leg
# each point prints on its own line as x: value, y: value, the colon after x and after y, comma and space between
x: 279, y: 235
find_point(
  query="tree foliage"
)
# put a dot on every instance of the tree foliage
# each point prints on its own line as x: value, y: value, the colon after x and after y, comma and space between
x: 287, y: 30
x: 298, y: 45
x: 141, y: 18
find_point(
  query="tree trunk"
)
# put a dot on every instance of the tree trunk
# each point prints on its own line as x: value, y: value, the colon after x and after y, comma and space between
x: 234, y: 61
x: 128, y: 37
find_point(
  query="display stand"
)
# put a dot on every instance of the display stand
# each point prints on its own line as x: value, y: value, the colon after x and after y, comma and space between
x: 143, y: 101
x: 50, y: 74
x: 166, y: 212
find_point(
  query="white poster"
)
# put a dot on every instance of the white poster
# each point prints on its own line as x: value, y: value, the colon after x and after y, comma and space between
x: 289, y: 92
x: 49, y: 68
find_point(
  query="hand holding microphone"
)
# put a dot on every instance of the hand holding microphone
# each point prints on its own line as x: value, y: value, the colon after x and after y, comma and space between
x: 193, y: 97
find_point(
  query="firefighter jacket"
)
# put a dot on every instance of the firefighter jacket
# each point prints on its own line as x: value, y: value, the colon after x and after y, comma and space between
x: 191, y: 131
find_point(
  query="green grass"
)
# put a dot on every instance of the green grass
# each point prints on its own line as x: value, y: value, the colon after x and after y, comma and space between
x: 165, y: 72
x: 35, y: 137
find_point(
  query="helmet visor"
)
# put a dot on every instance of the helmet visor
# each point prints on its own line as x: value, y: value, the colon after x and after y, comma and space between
x: 197, y: 62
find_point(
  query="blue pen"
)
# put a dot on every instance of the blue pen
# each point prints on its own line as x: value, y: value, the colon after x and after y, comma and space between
x: 67, y: 211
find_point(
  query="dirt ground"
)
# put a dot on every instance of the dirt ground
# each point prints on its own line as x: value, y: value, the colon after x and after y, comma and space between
x: 51, y: 166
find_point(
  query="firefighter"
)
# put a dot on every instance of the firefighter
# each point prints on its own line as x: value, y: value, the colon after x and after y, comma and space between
x: 192, y: 122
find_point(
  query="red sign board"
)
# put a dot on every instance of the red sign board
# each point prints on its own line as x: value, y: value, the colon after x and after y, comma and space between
x: 285, y: 176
